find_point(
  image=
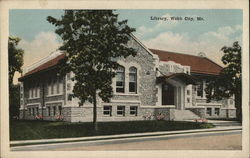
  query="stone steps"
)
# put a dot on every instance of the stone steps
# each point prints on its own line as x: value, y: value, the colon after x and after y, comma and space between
x: 180, y: 115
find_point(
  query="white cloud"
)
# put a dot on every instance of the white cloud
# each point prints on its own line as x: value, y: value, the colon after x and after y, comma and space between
x: 43, y: 44
x: 209, y: 43
x: 144, y: 31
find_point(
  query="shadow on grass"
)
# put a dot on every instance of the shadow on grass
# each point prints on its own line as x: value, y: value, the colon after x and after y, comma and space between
x: 33, y: 129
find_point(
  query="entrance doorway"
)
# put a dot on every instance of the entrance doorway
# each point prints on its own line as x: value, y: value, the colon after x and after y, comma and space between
x: 168, y: 92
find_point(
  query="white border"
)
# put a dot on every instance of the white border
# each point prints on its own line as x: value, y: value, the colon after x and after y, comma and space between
x: 178, y: 4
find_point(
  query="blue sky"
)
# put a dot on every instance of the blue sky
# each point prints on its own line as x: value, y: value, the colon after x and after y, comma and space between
x: 219, y: 28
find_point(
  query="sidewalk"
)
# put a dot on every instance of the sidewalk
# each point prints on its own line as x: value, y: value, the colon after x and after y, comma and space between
x: 121, y: 136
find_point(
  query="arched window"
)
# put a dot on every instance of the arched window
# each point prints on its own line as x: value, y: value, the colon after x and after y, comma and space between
x: 133, y: 79
x: 120, y: 79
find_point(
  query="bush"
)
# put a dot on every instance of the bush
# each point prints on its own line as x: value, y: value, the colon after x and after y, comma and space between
x: 206, y: 125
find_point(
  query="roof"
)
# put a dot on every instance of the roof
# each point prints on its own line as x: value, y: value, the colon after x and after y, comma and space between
x: 198, y: 64
x: 188, y: 79
x: 48, y: 64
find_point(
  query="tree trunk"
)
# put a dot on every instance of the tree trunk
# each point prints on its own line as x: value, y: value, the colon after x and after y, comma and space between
x: 95, y: 113
x: 238, y: 105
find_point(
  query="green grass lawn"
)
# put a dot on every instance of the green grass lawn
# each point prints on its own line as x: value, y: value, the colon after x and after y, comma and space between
x: 27, y: 130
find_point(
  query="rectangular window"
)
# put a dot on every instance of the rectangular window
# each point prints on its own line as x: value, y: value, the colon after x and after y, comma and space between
x: 209, y: 111
x: 188, y: 100
x: 54, y: 110
x: 217, y: 111
x: 188, y: 92
x: 200, y: 89
x: 48, y: 110
x: 133, y: 110
x: 107, y: 110
x: 121, y: 110
x: 60, y: 110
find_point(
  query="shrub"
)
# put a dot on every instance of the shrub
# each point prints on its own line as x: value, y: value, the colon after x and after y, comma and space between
x: 206, y: 125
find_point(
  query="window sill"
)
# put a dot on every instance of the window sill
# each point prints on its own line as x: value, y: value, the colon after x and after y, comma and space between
x: 198, y: 97
x: 107, y: 116
x: 133, y: 115
x: 53, y: 95
x: 34, y: 98
x: 120, y: 115
x: 128, y: 94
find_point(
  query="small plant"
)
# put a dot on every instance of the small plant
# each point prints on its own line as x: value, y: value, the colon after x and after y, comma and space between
x: 147, y: 116
x: 201, y: 120
x: 59, y: 118
x: 38, y: 117
x: 206, y: 125
x: 160, y: 116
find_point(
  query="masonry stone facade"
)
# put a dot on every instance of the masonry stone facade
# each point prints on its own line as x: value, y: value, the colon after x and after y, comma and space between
x: 160, y: 90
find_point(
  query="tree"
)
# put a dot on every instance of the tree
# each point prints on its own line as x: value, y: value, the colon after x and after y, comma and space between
x: 228, y: 83
x: 15, y: 58
x: 93, y: 40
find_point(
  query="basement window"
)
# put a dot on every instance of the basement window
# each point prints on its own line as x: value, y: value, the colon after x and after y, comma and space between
x: 121, y: 110
x: 107, y: 110
x: 133, y: 110
x: 209, y: 111
x: 217, y: 111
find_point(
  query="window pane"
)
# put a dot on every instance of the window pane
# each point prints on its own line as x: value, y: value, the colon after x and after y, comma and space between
x: 132, y: 77
x: 120, y: 76
x: 133, y: 110
x: 121, y: 110
x: 120, y: 90
x: 132, y: 87
x: 209, y: 111
x: 120, y: 84
x: 132, y: 70
x: 107, y: 110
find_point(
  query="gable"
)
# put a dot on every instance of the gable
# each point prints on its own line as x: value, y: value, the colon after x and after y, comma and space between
x: 198, y: 64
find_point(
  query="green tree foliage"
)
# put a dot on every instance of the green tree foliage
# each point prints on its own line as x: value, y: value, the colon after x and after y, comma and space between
x: 93, y: 40
x: 15, y: 63
x: 15, y: 58
x: 228, y: 83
